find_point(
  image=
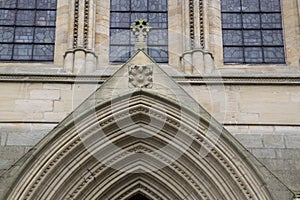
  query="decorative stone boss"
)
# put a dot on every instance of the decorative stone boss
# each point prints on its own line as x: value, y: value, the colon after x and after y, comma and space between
x: 140, y: 29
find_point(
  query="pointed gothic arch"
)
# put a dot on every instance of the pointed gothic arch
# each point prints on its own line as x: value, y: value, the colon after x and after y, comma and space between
x: 76, y: 162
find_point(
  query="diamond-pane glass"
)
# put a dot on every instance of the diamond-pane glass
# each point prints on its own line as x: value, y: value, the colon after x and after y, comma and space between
x: 252, y: 31
x: 27, y: 30
x: 123, y: 14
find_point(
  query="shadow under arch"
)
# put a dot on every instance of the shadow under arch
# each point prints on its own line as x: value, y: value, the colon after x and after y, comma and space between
x: 138, y: 197
x: 72, y: 162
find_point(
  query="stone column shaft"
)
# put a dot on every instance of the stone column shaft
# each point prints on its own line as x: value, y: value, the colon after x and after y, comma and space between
x: 81, y: 38
x: 197, y: 59
x: 186, y: 59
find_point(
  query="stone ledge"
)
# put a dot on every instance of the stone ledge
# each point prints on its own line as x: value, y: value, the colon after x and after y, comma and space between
x: 255, y: 79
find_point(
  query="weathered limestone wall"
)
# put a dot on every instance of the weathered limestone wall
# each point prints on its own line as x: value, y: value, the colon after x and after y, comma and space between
x: 251, y: 104
x: 35, y: 101
x: 230, y: 104
x: 265, y: 119
x: 17, y: 138
x: 276, y: 147
x: 28, y: 111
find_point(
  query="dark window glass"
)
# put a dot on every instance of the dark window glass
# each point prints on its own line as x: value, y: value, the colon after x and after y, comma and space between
x: 123, y: 14
x: 27, y: 30
x: 252, y: 31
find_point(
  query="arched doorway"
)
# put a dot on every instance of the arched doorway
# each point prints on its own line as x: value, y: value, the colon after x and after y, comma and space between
x: 64, y: 168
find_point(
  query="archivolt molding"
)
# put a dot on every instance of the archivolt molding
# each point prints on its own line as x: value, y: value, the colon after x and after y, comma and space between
x: 65, y: 168
x: 138, y: 187
x: 97, y: 171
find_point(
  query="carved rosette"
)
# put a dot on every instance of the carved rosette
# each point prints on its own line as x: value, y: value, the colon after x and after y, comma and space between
x: 140, y: 76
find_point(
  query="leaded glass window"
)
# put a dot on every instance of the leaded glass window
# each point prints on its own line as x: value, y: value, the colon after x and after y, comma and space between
x: 123, y: 14
x: 27, y: 30
x: 252, y: 31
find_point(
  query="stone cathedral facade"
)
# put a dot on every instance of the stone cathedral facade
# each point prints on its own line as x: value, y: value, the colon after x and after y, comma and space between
x: 149, y: 99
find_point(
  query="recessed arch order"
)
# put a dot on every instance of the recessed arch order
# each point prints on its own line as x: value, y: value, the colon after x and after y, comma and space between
x: 139, y: 143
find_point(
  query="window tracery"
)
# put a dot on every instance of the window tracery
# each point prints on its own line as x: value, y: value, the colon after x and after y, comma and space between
x: 27, y: 30
x: 252, y: 31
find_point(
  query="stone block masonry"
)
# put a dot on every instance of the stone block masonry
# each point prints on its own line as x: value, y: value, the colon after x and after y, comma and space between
x: 276, y: 147
x: 39, y: 102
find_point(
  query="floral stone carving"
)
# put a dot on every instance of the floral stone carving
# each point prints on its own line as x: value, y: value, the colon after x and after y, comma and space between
x: 140, y: 76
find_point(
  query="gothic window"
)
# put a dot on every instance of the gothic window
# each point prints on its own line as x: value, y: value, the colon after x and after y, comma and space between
x: 252, y: 31
x: 27, y: 30
x: 123, y: 14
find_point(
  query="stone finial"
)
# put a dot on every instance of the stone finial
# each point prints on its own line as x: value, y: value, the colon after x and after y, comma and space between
x: 140, y: 29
